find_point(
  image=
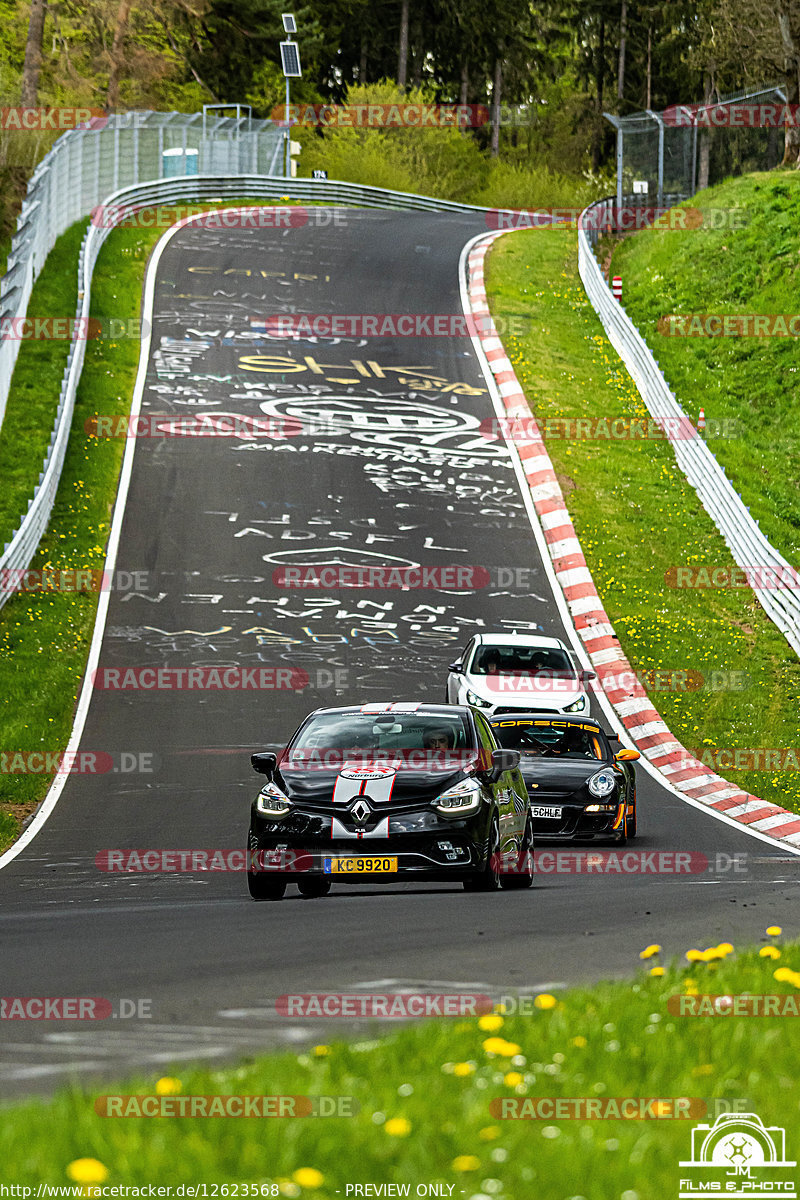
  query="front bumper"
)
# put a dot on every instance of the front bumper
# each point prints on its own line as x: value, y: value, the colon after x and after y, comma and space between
x: 365, y: 861
x: 576, y: 824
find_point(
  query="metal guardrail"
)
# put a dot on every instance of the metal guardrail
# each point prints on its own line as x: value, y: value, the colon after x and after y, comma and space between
x: 113, y: 210
x: 106, y: 154
x: 748, y: 545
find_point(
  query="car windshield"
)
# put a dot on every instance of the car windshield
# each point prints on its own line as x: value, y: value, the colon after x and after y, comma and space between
x: 351, y: 734
x: 562, y: 739
x: 521, y: 660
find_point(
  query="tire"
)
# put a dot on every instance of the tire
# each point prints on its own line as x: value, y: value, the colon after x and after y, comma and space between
x: 632, y: 827
x: 525, y: 878
x: 265, y: 887
x: 487, y: 880
x: 622, y: 837
x: 314, y: 887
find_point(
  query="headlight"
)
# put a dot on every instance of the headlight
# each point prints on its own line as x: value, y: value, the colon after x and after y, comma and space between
x: 476, y: 700
x: 603, y: 783
x: 578, y: 706
x: 460, y: 800
x: 271, y: 802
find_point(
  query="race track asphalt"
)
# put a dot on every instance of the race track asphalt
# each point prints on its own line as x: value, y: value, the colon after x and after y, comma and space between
x: 401, y: 473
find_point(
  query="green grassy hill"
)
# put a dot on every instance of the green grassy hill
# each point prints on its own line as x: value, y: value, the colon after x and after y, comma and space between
x: 753, y: 269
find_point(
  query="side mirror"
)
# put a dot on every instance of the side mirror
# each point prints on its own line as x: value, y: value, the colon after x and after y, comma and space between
x: 264, y: 763
x: 503, y: 760
x: 626, y: 755
x: 587, y: 676
x: 455, y: 666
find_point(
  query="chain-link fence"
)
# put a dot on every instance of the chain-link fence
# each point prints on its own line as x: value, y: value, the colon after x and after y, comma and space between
x: 89, y: 163
x: 688, y: 147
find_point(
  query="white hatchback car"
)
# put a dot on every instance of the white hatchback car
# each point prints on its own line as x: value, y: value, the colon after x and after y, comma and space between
x: 500, y: 672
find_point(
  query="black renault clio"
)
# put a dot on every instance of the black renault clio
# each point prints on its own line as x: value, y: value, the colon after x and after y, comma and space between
x: 381, y: 792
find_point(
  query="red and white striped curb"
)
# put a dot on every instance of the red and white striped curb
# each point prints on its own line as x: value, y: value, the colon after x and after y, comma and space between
x: 630, y: 701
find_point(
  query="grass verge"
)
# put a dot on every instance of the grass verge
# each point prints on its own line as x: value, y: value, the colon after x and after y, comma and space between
x: 637, y: 518
x: 428, y: 1099
x: 45, y: 636
x: 750, y: 380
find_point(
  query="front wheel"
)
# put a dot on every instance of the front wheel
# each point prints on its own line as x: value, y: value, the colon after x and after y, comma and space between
x: 265, y: 887
x: 487, y: 880
x: 632, y: 822
x: 523, y: 876
x: 314, y: 887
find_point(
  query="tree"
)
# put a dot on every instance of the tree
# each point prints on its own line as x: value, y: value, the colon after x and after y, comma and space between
x: 33, y: 55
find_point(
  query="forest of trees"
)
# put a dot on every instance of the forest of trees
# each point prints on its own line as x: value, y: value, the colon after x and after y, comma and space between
x: 569, y: 59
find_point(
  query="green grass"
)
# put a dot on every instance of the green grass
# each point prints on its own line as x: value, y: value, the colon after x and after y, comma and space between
x: 45, y: 636
x: 751, y: 380
x: 33, y: 400
x: 616, y: 1040
x: 637, y: 517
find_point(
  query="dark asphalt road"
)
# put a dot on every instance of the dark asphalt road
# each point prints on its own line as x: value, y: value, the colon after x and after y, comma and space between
x: 210, y: 520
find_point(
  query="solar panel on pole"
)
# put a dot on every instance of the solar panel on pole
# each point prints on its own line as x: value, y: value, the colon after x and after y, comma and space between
x: 290, y: 60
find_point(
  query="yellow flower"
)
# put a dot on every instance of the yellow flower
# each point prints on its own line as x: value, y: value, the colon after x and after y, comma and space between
x: 785, y: 975
x: 649, y: 951
x: 656, y: 971
x: 774, y: 930
x: 463, y: 1068
x: 769, y: 952
x: 703, y: 1069
x: 308, y: 1177
x: 512, y: 1079
x: 490, y: 1023
x: 489, y: 1133
x: 398, y: 1127
x: 87, y: 1170
x: 466, y: 1162
x: 496, y: 1045
x: 724, y: 948
x: 545, y: 1000
x: 321, y: 1051
x: 579, y: 1041
x: 168, y: 1086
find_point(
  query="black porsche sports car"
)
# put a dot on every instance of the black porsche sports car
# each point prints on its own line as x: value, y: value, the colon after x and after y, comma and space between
x: 578, y: 786
x: 379, y: 792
